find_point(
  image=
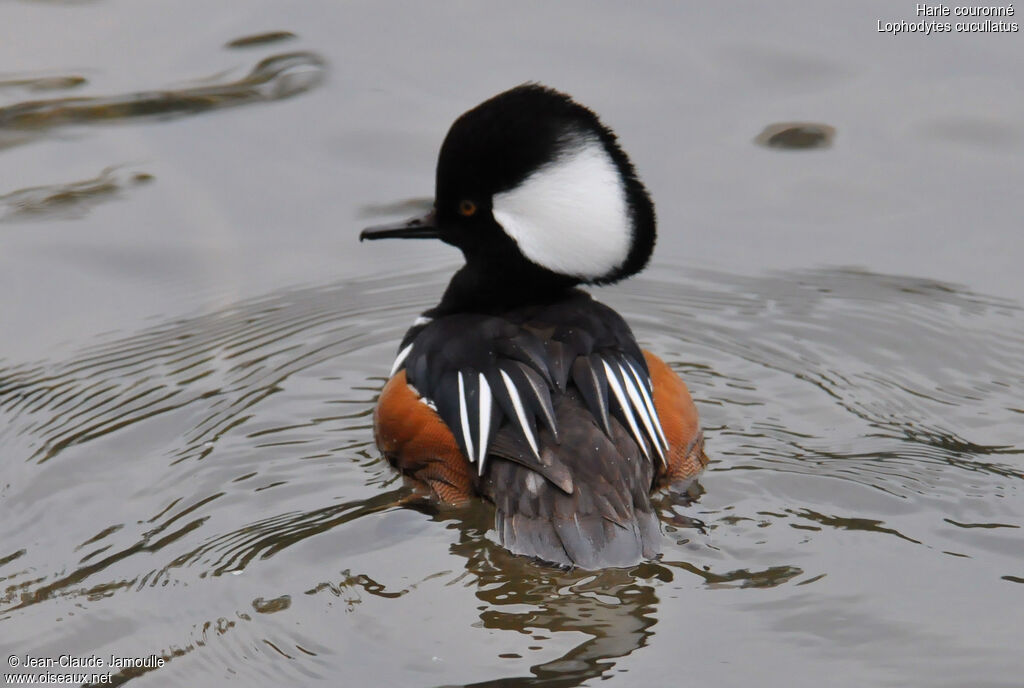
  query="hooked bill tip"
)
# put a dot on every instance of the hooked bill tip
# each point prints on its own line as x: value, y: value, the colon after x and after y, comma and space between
x: 423, y: 227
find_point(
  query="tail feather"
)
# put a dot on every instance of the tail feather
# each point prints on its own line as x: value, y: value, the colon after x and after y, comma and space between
x: 605, y: 520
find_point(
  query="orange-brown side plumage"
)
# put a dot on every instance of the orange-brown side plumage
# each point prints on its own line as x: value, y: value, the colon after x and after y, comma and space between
x: 679, y: 422
x: 418, y: 443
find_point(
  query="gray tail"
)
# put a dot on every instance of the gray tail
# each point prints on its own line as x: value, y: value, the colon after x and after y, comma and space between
x: 596, y: 513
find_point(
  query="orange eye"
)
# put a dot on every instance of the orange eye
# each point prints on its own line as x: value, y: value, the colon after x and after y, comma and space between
x: 467, y: 208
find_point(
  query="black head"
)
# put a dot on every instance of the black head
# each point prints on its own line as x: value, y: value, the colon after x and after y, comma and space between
x: 532, y: 186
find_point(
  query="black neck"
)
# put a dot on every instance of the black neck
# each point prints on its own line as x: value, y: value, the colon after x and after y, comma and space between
x: 482, y: 288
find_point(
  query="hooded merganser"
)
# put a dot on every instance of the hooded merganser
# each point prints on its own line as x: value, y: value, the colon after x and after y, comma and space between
x: 519, y: 387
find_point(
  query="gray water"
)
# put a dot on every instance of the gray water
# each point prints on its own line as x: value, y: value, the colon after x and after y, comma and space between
x: 193, y: 341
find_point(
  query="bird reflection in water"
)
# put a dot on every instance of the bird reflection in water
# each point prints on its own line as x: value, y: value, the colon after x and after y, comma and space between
x: 615, y: 608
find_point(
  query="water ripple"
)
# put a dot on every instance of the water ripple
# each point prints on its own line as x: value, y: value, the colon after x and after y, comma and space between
x: 276, y: 77
x: 220, y: 467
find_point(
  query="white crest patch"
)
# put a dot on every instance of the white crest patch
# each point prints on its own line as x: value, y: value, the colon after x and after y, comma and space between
x: 571, y: 215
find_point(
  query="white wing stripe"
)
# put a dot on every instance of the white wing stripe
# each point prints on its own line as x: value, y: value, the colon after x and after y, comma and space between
x: 649, y: 402
x: 400, y: 359
x: 464, y: 418
x: 620, y: 395
x: 485, y: 420
x: 641, y: 409
x: 517, y: 404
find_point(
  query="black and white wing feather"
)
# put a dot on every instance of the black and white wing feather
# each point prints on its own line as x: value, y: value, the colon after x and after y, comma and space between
x: 483, y: 372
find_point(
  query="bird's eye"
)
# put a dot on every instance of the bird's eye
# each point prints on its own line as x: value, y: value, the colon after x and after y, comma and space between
x: 467, y: 208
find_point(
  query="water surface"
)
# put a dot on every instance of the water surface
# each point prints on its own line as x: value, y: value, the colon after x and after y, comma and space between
x: 193, y: 341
